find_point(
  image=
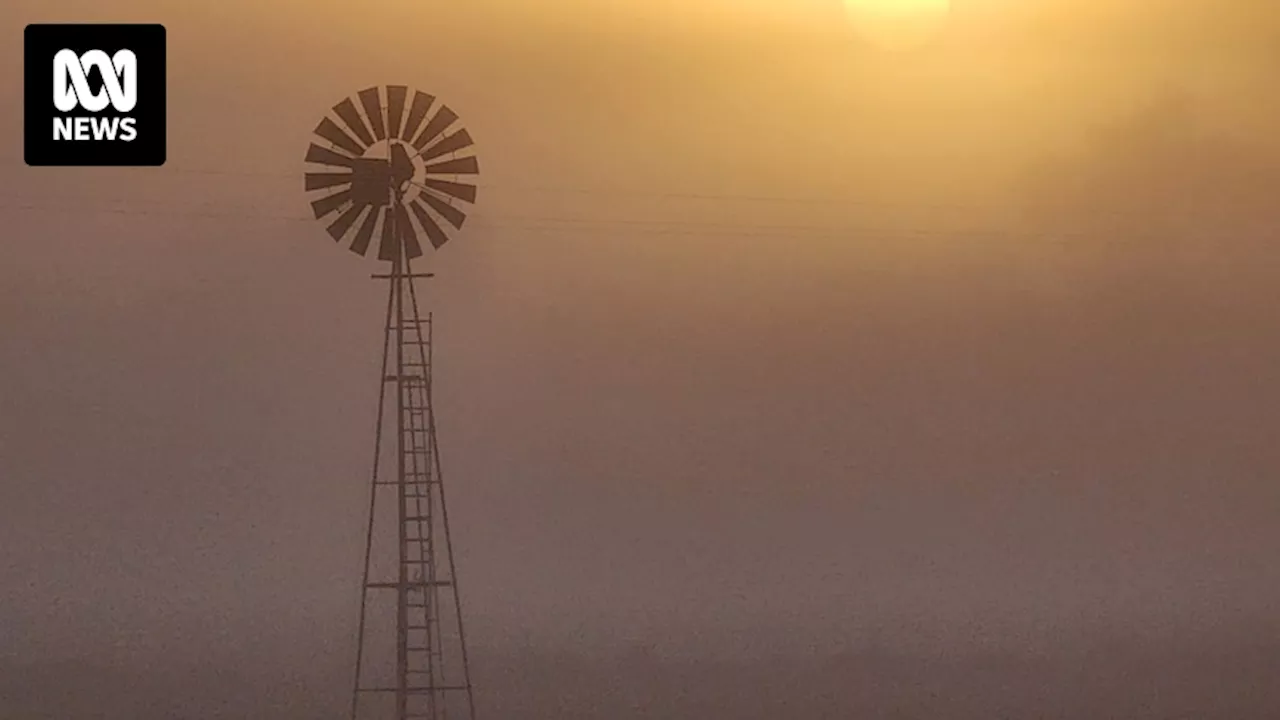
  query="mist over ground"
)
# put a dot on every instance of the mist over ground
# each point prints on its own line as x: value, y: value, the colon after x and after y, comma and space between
x: 776, y: 374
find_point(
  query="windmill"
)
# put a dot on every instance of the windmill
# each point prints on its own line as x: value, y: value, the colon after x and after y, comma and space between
x: 386, y: 164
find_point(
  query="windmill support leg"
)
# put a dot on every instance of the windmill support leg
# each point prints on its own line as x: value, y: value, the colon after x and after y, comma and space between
x: 431, y: 674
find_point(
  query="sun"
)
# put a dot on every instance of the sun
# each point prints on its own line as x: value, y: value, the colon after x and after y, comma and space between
x: 898, y: 24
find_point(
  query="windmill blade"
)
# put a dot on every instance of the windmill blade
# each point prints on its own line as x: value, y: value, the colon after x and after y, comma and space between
x: 408, y: 235
x: 452, y: 189
x: 455, y: 216
x: 347, y: 111
x: 372, y: 105
x: 451, y: 143
x: 396, y: 95
x: 364, y: 235
x: 339, y: 228
x: 429, y: 226
x: 438, y: 124
x: 389, y: 246
x: 330, y: 131
x: 460, y: 166
x: 417, y: 110
x: 320, y: 181
x: 329, y: 203
x: 325, y: 156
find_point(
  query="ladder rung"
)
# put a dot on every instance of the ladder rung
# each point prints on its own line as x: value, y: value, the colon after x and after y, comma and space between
x: 411, y: 584
x: 437, y: 688
x: 389, y: 276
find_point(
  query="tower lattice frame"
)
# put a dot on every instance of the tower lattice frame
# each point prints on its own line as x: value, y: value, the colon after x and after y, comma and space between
x: 431, y: 679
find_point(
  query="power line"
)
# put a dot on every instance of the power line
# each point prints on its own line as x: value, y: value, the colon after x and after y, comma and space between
x: 613, y: 222
x: 1131, y: 219
x: 566, y: 189
x: 604, y: 227
x: 846, y: 202
x: 646, y: 226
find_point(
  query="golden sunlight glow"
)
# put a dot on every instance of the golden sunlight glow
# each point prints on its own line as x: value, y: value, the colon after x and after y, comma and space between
x: 898, y: 24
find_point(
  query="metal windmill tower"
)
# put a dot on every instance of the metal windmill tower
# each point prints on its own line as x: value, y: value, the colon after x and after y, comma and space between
x: 386, y: 163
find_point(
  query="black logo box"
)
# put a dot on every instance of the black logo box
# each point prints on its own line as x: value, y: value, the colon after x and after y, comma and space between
x: 42, y: 42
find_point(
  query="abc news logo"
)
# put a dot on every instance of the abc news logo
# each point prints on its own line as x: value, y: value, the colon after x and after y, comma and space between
x: 71, y: 90
x: 107, y: 105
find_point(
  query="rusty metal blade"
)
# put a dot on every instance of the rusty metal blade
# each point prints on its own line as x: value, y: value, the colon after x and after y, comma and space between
x: 364, y: 235
x: 395, y: 109
x: 329, y: 203
x: 429, y: 226
x: 344, y: 222
x: 440, y: 122
x: 320, y: 181
x: 452, y: 189
x: 325, y: 156
x: 347, y: 111
x: 390, y: 243
x: 453, y: 215
x: 330, y: 131
x: 372, y: 105
x: 417, y: 111
x: 460, y: 166
x: 451, y: 143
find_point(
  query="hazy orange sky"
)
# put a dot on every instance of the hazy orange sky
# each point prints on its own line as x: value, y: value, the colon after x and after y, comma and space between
x: 754, y: 325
